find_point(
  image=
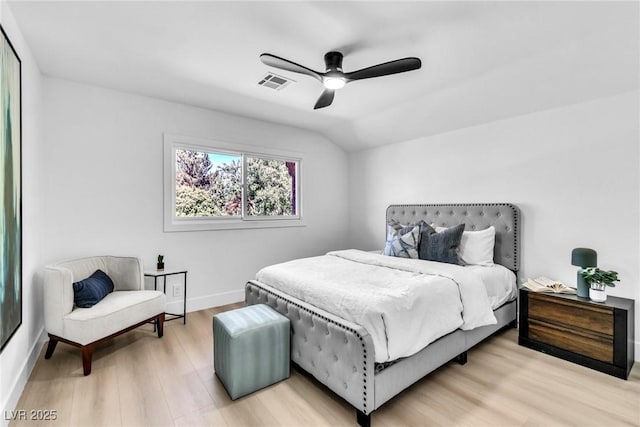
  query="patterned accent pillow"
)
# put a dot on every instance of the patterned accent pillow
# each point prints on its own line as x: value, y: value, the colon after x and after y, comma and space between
x: 442, y: 246
x: 402, y: 242
x: 425, y: 229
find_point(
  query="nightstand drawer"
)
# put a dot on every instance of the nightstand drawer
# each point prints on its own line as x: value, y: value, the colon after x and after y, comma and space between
x: 594, y: 345
x: 557, y: 311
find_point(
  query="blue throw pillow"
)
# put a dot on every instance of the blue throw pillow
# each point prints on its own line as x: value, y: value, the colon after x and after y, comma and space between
x: 442, y: 246
x: 89, y: 292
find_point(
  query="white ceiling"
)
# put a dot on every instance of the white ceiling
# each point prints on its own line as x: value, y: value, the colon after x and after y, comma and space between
x: 481, y: 61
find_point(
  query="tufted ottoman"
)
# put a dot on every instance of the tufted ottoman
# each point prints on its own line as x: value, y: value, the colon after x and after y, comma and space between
x: 250, y: 348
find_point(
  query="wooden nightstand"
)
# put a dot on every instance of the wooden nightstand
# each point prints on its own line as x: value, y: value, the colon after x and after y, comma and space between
x: 597, y: 335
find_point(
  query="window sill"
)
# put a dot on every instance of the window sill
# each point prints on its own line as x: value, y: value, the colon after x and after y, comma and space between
x: 177, y: 226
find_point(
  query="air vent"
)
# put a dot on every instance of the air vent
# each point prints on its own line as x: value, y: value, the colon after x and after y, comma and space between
x: 275, y: 81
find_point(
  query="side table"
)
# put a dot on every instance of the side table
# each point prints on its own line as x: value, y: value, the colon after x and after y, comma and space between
x: 164, y: 273
x: 596, y: 335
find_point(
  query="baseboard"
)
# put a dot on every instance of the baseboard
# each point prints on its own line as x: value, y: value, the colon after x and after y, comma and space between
x: 208, y: 301
x: 22, y: 378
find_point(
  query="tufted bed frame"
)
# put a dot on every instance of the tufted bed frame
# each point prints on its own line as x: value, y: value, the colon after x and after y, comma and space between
x: 339, y: 353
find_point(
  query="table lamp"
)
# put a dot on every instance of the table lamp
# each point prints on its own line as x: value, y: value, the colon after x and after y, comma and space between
x: 583, y: 257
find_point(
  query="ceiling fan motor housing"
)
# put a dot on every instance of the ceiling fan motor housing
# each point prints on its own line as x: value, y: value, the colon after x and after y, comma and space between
x: 333, y: 61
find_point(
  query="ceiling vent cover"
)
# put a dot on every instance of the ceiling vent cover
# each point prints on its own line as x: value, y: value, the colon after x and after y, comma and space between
x: 274, y: 81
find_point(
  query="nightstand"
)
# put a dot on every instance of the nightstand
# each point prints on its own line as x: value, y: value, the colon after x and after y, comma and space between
x: 596, y: 335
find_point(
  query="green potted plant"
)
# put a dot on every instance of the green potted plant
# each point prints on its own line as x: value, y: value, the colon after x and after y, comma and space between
x: 598, y: 280
x: 160, y: 265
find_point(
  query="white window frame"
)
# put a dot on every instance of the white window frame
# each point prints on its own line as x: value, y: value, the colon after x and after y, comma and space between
x: 173, y: 223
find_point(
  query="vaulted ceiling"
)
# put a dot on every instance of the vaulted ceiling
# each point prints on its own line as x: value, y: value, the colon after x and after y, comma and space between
x: 482, y: 61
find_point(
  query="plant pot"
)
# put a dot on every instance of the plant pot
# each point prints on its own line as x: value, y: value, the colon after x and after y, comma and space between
x: 598, y: 293
x: 160, y: 266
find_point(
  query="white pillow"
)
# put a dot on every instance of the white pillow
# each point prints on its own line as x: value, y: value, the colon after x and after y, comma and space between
x: 476, y: 247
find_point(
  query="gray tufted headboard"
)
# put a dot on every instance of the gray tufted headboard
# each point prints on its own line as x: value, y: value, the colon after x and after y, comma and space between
x: 505, y: 217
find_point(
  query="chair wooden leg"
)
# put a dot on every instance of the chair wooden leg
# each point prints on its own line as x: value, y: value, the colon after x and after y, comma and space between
x: 87, y: 355
x: 50, y: 347
x: 160, y: 325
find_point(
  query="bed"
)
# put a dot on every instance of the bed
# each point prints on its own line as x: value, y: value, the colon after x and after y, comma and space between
x: 341, y: 353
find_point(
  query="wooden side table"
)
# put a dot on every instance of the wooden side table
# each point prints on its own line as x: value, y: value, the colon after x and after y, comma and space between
x: 164, y: 273
x: 596, y: 335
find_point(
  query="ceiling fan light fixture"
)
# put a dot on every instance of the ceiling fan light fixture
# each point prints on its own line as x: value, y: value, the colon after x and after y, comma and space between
x: 334, y: 82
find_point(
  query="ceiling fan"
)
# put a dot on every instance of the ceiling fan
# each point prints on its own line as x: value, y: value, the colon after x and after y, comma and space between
x: 334, y: 78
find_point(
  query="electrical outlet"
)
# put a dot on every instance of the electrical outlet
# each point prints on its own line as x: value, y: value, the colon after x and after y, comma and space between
x: 177, y: 290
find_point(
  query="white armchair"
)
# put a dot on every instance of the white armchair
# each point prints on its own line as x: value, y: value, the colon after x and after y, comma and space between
x: 122, y: 310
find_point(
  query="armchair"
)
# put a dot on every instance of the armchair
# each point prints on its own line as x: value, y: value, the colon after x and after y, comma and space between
x: 127, y: 307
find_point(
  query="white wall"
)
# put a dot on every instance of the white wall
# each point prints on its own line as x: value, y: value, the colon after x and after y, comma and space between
x: 20, y: 354
x: 573, y: 171
x: 104, y: 189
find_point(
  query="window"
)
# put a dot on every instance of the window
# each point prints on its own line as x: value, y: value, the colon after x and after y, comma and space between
x: 207, y: 184
x: 212, y: 185
x: 271, y: 187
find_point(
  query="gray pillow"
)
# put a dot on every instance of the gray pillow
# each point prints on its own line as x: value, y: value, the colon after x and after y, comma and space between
x: 442, y: 246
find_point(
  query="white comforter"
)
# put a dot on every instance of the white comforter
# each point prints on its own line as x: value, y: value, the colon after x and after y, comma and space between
x: 404, y: 304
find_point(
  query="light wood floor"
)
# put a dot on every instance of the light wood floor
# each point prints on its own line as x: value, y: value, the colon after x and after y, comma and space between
x: 140, y: 380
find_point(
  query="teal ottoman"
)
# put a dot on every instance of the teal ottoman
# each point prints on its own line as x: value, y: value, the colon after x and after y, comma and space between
x: 250, y: 348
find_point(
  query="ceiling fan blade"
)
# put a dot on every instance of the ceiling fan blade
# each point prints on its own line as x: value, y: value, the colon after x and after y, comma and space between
x: 391, y: 67
x: 325, y: 99
x: 285, y: 64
